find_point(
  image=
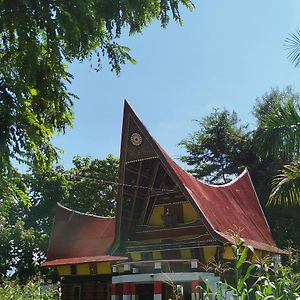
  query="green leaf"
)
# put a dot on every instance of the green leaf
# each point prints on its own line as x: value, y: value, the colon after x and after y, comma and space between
x: 242, y: 258
x: 33, y: 92
x: 286, y: 186
x: 22, y: 196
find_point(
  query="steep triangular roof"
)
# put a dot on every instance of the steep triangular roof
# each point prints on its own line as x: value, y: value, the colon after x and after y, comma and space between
x: 224, y: 209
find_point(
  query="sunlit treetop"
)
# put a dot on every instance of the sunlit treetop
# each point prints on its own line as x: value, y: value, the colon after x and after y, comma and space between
x: 38, y: 39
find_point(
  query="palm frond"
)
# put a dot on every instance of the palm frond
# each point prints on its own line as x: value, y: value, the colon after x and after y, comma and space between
x: 293, y: 47
x: 279, y: 133
x: 286, y: 186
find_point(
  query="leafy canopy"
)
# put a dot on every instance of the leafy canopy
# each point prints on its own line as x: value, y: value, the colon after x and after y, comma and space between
x: 95, y: 178
x: 279, y: 134
x: 222, y: 147
x: 38, y: 39
x: 213, y: 148
x: 89, y: 186
x: 278, y: 118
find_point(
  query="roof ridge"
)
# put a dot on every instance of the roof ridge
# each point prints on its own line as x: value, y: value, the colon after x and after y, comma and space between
x: 237, y: 178
x: 84, y: 214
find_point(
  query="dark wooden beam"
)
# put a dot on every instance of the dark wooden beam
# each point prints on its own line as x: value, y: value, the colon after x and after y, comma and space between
x: 130, y: 195
x: 160, y: 187
x: 169, y: 200
x: 151, y: 184
x: 171, y: 232
x: 135, y: 172
x: 209, y: 241
x: 135, y: 194
x: 162, y: 193
x: 140, y: 227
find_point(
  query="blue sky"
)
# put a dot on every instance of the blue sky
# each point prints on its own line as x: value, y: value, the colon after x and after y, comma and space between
x: 227, y: 53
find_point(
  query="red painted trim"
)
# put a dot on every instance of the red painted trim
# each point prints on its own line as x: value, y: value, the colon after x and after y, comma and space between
x: 126, y: 288
x: 84, y: 259
x: 157, y: 287
x: 119, y: 289
x: 114, y: 289
x: 195, y: 286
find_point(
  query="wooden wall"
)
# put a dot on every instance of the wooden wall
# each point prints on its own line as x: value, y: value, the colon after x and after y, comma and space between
x: 85, y: 290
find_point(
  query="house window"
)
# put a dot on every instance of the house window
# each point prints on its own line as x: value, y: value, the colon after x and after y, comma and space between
x: 173, y: 214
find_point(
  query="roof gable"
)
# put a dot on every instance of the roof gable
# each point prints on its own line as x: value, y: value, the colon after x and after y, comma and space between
x: 133, y: 194
x: 223, y: 208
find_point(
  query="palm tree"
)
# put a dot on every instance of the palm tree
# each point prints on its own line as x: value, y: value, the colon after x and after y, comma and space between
x: 279, y: 134
x: 293, y: 46
x: 286, y: 185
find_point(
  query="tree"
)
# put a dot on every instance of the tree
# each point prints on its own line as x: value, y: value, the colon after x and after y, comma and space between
x: 97, y: 179
x: 89, y: 186
x: 38, y: 39
x: 293, y: 47
x: 223, y: 147
x: 19, y: 244
x: 248, y: 153
x: 270, y: 101
x: 279, y: 134
x: 283, y: 220
x: 216, y: 148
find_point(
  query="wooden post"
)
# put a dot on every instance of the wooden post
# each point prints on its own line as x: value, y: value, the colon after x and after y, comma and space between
x: 126, y: 291
x: 157, y: 290
x: 134, y: 295
x: 114, y: 291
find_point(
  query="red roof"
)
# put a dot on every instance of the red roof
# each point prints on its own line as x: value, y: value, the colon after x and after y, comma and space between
x: 78, y: 238
x: 233, y: 207
x: 228, y: 208
x: 85, y: 259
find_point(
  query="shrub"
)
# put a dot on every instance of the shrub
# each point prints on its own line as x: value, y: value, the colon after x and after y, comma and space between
x: 12, y: 290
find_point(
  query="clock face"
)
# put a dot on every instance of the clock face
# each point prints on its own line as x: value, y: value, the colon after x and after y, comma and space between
x: 136, y: 139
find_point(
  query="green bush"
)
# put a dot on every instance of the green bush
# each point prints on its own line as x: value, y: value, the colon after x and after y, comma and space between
x: 11, y: 290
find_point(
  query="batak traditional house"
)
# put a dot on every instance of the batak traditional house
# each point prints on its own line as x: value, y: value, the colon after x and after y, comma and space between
x: 168, y: 225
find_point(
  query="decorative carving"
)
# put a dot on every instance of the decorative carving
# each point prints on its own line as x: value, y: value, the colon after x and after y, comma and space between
x: 136, y: 139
